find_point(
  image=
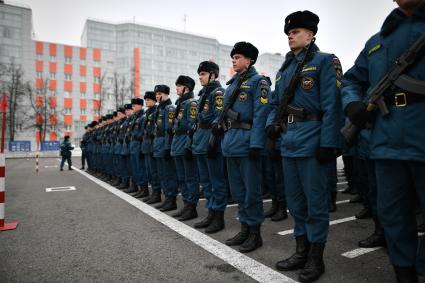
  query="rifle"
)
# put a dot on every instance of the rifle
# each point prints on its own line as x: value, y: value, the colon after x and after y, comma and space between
x: 288, y: 94
x: 375, y: 99
x: 213, y: 143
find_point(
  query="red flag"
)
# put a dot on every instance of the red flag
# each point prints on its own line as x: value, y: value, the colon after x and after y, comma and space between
x: 3, y: 104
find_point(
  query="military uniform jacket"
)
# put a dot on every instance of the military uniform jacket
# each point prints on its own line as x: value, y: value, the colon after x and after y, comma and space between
x: 122, y: 136
x: 252, y: 104
x: 148, y: 130
x: 66, y: 148
x: 400, y: 135
x: 136, y: 132
x: 212, y: 106
x: 164, y: 118
x: 84, y: 142
x: 119, y: 138
x: 112, y: 137
x: 318, y: 93
x: 184, y: 121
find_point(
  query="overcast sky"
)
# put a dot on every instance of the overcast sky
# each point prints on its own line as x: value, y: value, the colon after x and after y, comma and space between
x: 344, y: 25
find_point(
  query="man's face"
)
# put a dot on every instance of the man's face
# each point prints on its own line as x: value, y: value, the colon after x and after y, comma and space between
x: 203, y: 78
x: 136, y: 107
x: 180, y: 89
x: 149, y: 102
x: 408, y: 4
x: 128, y: 112
x: 298, y: 38
x: 240, y: 63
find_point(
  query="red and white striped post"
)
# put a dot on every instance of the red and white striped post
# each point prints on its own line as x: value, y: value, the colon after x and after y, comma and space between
x: 3, y: 226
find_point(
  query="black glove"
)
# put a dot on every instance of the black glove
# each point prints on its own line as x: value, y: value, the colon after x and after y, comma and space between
x: 272, y: 132
x: 327, y: 154
x: 254, y: 153
x: 358, y: 114
x: 211, y: 151
x: 167, y: 154
x: 188, y: 155
x: 216, y: 130
x: 141, y: 155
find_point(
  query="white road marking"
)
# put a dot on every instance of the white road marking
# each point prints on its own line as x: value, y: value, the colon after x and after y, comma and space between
x: 334, y: 222
x: 60, y: 189
x: 358, y: 252
x: 243, y: 263
x: 50, y: 166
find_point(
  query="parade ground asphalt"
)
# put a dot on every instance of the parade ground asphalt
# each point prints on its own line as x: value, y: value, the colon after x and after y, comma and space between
x: 75, y: 228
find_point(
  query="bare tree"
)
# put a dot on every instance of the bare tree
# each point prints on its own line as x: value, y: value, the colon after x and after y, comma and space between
x: 12, y: 77
x: 120, y: 90
x: 103, y: 93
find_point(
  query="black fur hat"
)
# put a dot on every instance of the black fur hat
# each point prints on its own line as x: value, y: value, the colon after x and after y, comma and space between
x: 115, y: 114
x: 109, y: 117
x: 208, y: 66
x: 150, y: 95
x: 302, y: 19
x: 246, y: 49
x: 137, y: 101
x: 121, y: 109
x: 186, y: 81
x: 128, y: 106
x: 162, y: 88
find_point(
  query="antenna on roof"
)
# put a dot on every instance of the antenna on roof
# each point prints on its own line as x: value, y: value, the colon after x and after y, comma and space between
x: 184, y: 22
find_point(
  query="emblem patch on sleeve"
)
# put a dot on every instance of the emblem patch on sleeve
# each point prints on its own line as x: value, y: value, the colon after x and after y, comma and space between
x: 338, y: 71
x: 307, y: 83
x: 206, y: 106
x: 192, y: 111
x: 264, y: 99
x: 171, y: 116
x: 219, y: 101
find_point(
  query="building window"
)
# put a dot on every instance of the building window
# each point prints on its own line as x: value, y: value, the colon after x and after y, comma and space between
x: 52, y: 76
x: 68, y: 111
x: 96, y: 80
x: 39, y: 74
x: 68, y: 77
x: 52, y: 93
x: 82, y: 62
x: 96, y: 63
x: 68, y: 128
x: 52, y: 58
x: 83, y: 95
x: 83, y: 78
x: 67, y: 94
x: 68, y: 60
x: 83, y: 111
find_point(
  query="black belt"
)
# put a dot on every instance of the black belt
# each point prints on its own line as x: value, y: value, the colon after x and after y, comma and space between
x: 309, y: 117
x: 238, y: 125
x: 402, y: 99
x: 204, y: 125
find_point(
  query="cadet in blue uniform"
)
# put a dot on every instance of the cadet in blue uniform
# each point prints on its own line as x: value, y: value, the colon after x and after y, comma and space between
x: 90, y: 148
x: 83, y: 146
x: 65, y: 151
x: 124, y: 140
x: 107, y: 156
x: 164, y: 118
x: 397, y: 141
x: 210, y: 164
x: 187, y: 170
x: 119, y: 138
x: 112, y: 142
x: 138, y: 169
x: 243, y: 142
x: 311, y: 142
x: 147, y: 144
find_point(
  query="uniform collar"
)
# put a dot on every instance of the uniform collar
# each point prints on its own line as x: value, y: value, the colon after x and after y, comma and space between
x: 397, y: 16
x: 291, y: 55
x: 184, y: 97
x: 211, y: 86
x: 252, y: 71
x: 165, y: 103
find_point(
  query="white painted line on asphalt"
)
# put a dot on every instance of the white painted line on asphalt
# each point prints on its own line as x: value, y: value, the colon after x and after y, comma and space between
x: 60, y: 189
x: 50, y: 166
x: 243, y: 263
x: 358, y: 252
x: 334, y: 222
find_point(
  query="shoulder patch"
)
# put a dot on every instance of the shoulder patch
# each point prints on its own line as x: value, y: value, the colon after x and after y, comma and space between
x: 374, y: 49
x: 219, y: 100
x: 278, y: 78
x: 170, y: 117
x: 264, y: 88
x: 338, y: 71
x: 192, y: 110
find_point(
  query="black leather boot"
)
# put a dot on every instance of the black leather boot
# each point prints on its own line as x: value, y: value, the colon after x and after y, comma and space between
x: 356, y: 199
x: 377, y: 239
x: 217, y: 224
x: 273, y: 209
x: 240, y: 237
x: 189, y: 213
x: 124, y: 185
x: 299, y: 258
x: 169, y: 205
x: 406, y: 274
x: 179, y: 212
x: 132, y: 189
x: 117, y: 182
x: 155, y: 198
x: 206, y: 221
x: 143, y: 192
x: 315, y: 266
x: 281, y: 212
x: 364, y: 213
x: 254, y: 240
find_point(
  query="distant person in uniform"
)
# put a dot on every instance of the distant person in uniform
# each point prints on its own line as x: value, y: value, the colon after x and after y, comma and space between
x: 66, y: 153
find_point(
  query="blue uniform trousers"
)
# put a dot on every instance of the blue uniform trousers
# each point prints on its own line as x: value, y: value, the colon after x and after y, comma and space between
x: 307, y: 193
x: 124, y: 167
x: 152, y: 172
x: 245, y: 186
x: 138, y: 169
x: 216, y: 190
x: 115, y: 164
x: 274, y: 177
x: 399, y: 184
x: 332, y: 179
x: 188, y: 177
x: 167, y: 175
